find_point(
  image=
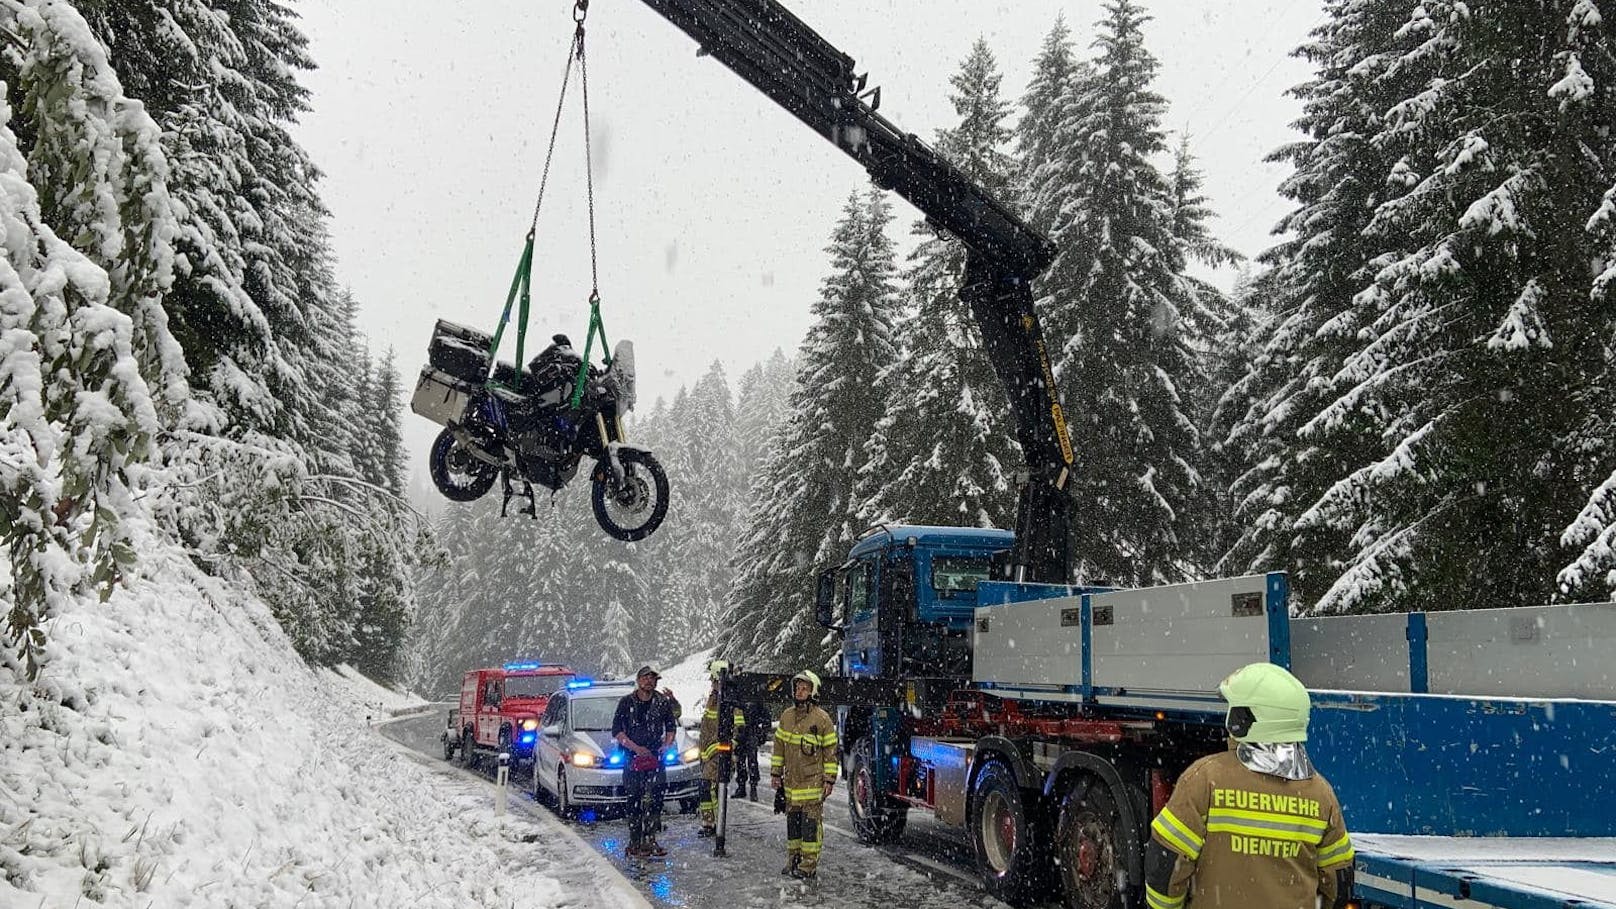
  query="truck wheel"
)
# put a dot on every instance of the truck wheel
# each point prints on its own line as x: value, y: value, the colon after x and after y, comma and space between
x: 448, y: 746
x: 468, y: 750
x: 1091, y: 850
x: 876, y: 818
x: 1005, y: 836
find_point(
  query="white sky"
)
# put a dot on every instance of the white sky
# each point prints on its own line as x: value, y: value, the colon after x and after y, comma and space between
x: 714, y: 206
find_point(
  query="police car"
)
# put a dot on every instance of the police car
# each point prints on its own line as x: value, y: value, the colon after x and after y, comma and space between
x: 578, y: 764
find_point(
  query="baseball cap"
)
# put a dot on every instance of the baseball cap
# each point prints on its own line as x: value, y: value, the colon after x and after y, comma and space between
x: 645, y: 671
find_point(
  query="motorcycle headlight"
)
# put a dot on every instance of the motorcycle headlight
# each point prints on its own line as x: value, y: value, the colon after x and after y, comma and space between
x: 583, y: 759
x: 529, y: 725
x: 691, y: 755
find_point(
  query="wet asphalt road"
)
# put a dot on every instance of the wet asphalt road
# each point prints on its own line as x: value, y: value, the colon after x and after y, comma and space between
x: 930, y: 868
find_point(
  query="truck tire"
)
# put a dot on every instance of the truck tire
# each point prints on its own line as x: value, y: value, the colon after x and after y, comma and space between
x: 1091, y: 851
x: 876, y: 817
x: 1007, y: 837
x: 468, y: 750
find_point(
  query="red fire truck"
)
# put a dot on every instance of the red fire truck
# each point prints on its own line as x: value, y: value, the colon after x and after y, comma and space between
x: 499, y: 710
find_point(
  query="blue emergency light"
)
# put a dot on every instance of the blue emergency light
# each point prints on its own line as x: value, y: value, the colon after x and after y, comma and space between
x: 517, y: 667
x: 616, y: 760
x: 576, y: 684
x: 672, y: 757
x: 527, y: 737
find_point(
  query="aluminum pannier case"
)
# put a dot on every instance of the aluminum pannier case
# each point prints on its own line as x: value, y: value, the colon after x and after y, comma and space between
x: 440, y: 397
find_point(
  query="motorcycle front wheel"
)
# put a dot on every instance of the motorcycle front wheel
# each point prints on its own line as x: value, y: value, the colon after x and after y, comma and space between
x: 460, y: 475
x: 635, y: 510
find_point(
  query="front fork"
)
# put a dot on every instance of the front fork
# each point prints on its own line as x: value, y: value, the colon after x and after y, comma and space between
x: 606, y: 440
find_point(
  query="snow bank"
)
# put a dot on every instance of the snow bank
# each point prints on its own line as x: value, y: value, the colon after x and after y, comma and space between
x: 688, y: 679
x: 176, y: 752
x: 380, y: 702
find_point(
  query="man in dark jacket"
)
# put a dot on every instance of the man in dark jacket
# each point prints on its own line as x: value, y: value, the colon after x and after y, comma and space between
x: 749, y: 736
x: 644, y: 725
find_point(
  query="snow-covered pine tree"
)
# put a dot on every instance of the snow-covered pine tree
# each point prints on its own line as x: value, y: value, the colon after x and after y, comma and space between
x: 1111, y: 303
x: 1058, y: 76
x: 84, y: 335
x: 387, y: 431
x: 186, y: 61
x: 759, y: 411
x: 1481, y: 324
x: 945, y: 452
x: 807, y: 514
x: 1339, y: 181
x: 1216, y: 333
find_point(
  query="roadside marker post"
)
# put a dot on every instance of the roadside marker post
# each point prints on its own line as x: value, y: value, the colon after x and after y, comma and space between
x: 502, y: 781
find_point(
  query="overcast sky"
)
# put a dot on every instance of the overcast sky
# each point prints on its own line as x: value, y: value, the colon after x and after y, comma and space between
x: 714, y: 206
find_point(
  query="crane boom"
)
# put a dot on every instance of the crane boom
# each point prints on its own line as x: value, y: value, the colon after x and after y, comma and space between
x: 774, y: 51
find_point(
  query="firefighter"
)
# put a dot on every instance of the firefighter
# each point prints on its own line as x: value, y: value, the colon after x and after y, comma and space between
x: 803, y: 771
x: 712, y: 747
x: 1255, y: 825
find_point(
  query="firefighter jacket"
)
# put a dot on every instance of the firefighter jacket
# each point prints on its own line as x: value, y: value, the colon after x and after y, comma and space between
x: 804, y: 758
x: 1240, y: 838
x: 709, y: 731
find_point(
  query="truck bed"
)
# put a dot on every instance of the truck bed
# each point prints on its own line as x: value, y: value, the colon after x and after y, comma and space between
x: 1423, y: 872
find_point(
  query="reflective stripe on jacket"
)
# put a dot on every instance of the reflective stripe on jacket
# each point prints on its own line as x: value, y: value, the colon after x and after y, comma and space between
x: 709, y: 731
x: 804, y: 756
x: 1244, y: 838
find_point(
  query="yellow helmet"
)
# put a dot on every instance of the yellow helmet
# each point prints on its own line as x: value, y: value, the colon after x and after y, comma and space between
x: 715, y: 668
x: 806, y: 676
x: 1266, y: 704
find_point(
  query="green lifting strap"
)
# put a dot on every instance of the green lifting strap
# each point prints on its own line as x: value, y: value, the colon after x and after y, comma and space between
x: 520, y: 284
x: 596, y: 326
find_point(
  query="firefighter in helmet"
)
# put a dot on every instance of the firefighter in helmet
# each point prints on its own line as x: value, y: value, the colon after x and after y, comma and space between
x: 803, y: 769
x: 1255, y: 825
x: 713, y: 747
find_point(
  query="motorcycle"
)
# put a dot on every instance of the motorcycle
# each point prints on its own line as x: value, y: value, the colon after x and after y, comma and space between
x: 523, y: 426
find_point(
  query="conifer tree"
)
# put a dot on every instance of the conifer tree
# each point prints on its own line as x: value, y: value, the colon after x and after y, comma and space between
x: 806, y: 515
x: 1456, y: 450
x: 945, y: 452
x: 1112, y: 302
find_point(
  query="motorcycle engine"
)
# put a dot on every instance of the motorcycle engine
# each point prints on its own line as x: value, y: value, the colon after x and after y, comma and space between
x: 545, y: 450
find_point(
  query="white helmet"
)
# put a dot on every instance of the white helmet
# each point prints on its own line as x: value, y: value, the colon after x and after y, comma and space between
x: 806, y: 676
x: 717, y: 667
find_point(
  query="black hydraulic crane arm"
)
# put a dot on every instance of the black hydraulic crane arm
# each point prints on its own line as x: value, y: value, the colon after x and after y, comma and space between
x: 763, y: 43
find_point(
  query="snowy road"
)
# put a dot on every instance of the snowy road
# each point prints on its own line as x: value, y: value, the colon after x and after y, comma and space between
x: 930, y: 868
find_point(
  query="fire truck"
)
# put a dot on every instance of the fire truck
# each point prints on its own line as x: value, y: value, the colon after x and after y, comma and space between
x: 499, y: 710
x: 1049, y: 721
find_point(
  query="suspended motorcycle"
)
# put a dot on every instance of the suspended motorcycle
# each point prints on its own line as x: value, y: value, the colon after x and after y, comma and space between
x: 501, y: 422
x: 536, y: 427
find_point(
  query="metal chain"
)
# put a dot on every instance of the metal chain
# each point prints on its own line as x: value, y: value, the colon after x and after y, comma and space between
x: 589, y: 163
x: 555, y: 129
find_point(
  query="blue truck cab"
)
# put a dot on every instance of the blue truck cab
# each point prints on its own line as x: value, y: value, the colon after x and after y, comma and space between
x: 907, y: 594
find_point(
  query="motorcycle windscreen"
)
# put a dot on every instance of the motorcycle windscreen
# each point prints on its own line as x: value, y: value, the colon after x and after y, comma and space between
x: 620, y: 378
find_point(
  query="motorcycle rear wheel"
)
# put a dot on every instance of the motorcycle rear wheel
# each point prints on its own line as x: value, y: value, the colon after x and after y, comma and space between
x: 457, y: 473
x: 636, y: 510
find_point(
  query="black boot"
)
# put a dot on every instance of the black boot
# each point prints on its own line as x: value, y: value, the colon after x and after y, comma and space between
x: 740, y: 792
x: 752, y: 797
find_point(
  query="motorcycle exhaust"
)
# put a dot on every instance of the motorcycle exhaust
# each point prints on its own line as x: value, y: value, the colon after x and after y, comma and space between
x: 476, y: 449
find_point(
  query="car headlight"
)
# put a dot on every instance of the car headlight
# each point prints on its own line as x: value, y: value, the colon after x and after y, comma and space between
x: 530, y: 725
x: 583, y: 759
x: 691, y: 755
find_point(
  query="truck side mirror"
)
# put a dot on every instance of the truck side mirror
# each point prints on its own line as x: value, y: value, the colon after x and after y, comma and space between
x: 825, y: 599
x: 552, y: 730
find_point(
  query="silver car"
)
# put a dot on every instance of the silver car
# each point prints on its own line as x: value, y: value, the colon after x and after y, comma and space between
x: 577, y: 764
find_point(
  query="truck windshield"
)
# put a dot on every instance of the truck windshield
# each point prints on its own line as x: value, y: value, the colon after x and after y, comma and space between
x: 953, y: 575
x: 533, y: 686
x: 593, y: 714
